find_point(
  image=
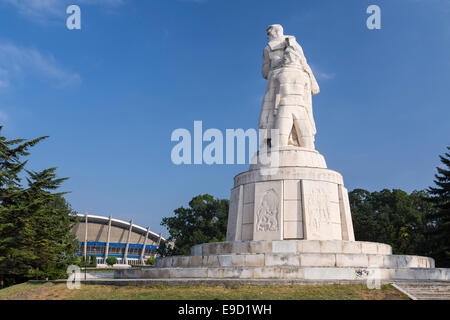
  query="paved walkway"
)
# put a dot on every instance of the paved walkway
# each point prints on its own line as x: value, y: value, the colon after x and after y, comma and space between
x: 424, y: 290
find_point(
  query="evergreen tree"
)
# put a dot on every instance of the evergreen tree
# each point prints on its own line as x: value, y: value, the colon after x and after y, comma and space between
x: 35, y: 224
x: 439, y: 219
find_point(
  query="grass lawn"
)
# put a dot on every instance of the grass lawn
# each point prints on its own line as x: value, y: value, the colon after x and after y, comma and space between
x: 50, y: 291
x: 23, y: 288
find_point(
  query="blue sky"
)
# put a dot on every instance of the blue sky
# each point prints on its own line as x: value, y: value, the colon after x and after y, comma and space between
x: 110, y: 94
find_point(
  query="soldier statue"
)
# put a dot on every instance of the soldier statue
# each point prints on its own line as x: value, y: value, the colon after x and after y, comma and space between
x: 287, y: 104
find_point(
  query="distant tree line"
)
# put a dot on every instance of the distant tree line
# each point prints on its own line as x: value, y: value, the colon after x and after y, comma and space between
x: 416, y: 223
x: 35, y: 222
x: 204, y: 221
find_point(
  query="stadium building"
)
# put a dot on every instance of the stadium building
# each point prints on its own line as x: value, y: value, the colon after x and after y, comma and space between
x: 107, y: 237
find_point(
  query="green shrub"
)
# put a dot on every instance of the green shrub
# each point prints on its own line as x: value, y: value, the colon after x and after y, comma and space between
x: 93, y: 261
x: 110, y: 261
x: 151, y: 261
x: 81, y: 261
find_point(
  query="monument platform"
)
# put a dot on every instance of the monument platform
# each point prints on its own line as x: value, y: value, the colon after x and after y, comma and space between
x: 292, y: 259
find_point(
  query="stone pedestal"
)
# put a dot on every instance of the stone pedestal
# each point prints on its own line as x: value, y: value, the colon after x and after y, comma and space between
x: 305, y: 260
x: 294, y: 196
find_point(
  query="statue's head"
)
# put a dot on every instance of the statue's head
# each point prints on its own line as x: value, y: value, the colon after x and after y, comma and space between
x: 274, y: 31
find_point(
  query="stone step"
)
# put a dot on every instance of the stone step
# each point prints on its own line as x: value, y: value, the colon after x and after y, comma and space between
x: 297, y: 260
x: 291, y: 246
x: 424, y: 284
x: 430, y: 296
x: 444, y: 287
x: 426, y: 290
x: 429, y: 289
x: 286, y: 272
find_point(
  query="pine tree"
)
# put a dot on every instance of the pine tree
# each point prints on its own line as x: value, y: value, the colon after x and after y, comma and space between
x: 47, y: 236
x: 11, y: 153
x: 439, y: 219
x: 35, y: 224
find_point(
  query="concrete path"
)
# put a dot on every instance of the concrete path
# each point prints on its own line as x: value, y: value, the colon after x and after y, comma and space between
x: 210, y: 282
x: 424, y: 290
x: 97, y: 275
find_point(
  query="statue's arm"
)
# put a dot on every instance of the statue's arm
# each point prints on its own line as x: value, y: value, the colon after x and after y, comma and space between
x: 315, y: 89
x: 314, y: 85
x: 266, y: 64
x: 298, y: 50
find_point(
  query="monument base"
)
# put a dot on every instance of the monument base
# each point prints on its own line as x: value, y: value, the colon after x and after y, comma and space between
x: 289, y: 193
x: 291, y: 259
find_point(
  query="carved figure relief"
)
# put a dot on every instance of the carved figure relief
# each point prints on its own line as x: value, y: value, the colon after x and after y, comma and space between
x: 318, y: 209
x: 268, y: 215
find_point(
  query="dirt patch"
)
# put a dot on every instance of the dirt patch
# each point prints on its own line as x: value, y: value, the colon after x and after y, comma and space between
x: 28, y: 294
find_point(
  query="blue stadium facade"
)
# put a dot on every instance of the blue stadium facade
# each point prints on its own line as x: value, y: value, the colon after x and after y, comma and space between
x: 107, y: 237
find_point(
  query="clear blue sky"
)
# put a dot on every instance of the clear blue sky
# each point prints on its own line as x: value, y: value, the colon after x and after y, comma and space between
x: 111, y: 94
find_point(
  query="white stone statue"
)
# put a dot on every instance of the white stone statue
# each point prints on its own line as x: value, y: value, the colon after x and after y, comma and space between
x: 287, y: 104
x: 294, y: 195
